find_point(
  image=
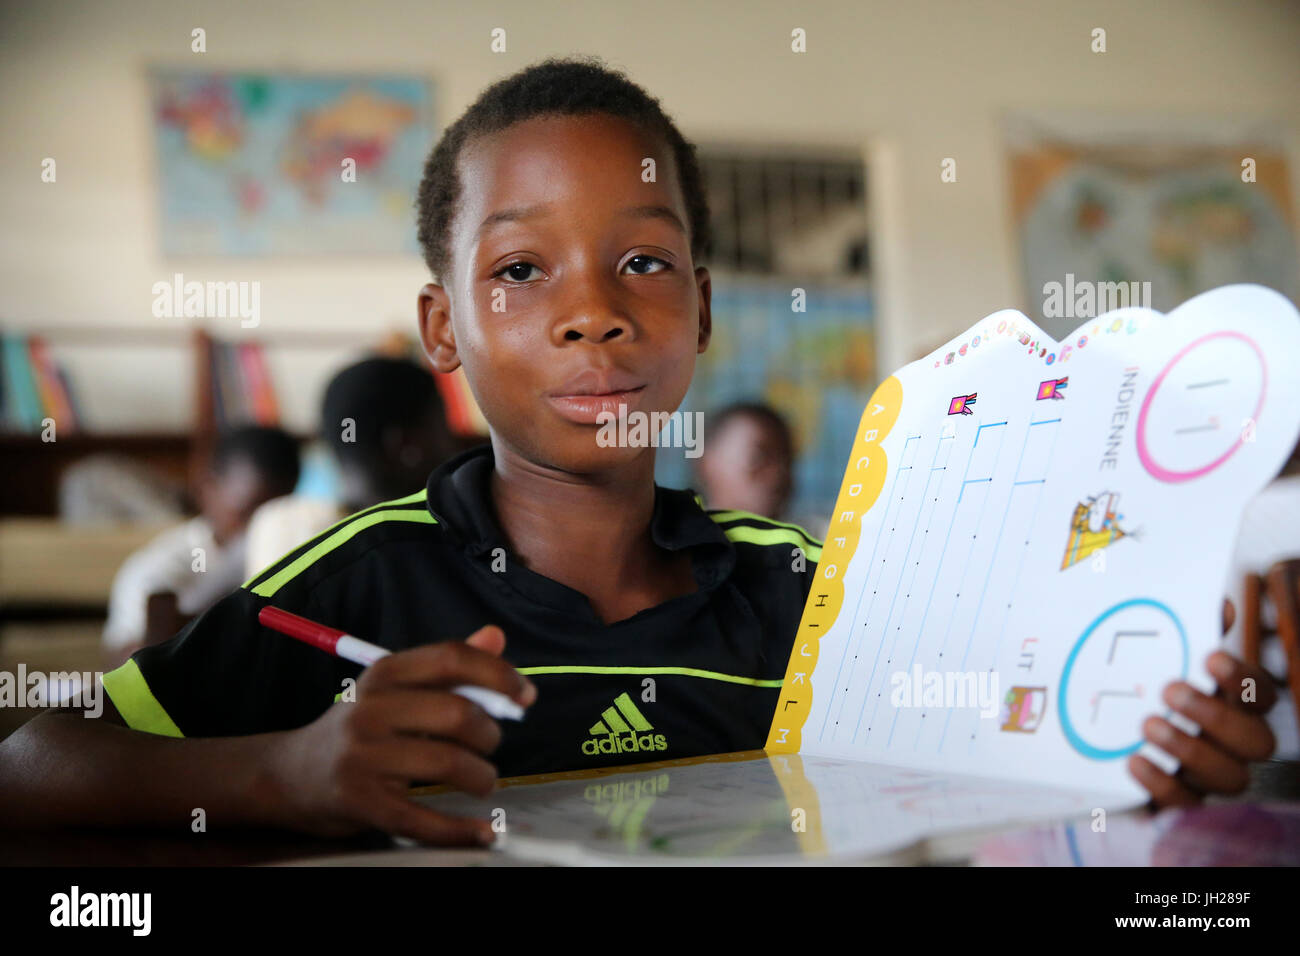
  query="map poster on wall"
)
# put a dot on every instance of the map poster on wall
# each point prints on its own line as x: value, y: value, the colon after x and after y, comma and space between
x: 1145, y: 220
x: 258, y: 164
x: 816, y: 371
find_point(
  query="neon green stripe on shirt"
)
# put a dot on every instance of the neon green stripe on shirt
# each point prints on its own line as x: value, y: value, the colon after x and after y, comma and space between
x: 681, y: 671
x: 725, y: 516
x: 748, y: 535
x: 340, y: 537
x: 410, y: 499
x: 131, y: 695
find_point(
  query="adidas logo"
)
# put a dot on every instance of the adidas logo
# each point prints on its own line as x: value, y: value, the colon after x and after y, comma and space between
x: 622, y: 729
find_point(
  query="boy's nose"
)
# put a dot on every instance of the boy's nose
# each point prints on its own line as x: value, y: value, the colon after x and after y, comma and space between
x: 593, y: 315
x: 595, y: 328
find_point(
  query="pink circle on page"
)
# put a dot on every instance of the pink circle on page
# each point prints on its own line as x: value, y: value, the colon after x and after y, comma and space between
x: 1144, y: 455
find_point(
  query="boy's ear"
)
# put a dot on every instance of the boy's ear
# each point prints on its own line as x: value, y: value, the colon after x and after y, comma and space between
x: 436, y: 334
x: 705, y: 286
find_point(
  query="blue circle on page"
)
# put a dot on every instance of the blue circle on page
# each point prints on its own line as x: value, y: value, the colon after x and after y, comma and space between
x: 1071, y: 734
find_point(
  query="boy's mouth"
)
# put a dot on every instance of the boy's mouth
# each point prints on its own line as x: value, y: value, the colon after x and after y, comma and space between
x: 587, y: 397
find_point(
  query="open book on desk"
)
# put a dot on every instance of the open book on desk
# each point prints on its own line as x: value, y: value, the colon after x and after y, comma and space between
x: 1031, y: 540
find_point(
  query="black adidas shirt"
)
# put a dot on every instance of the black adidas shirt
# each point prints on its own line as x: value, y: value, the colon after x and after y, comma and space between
x: 698, y: 674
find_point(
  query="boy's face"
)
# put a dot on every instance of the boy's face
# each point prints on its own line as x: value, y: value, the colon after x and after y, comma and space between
x: 747, y: 467
x: 573, y: 290
x: 228, y: 497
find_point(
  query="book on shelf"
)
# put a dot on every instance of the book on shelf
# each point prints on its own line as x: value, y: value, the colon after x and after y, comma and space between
x: 33, y: 387
x: 253, y: 362
x: 242, y: 391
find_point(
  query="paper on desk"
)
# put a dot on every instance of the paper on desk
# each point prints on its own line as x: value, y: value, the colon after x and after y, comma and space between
x: 763, y: 810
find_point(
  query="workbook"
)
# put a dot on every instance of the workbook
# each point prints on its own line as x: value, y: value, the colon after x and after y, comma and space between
x: 1032, y: 538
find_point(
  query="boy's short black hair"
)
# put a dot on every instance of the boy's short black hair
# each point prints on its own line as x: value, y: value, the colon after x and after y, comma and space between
x: 272, y: 451
x: 763, y: 413
x: 558, y: 87
x: 377, y: 393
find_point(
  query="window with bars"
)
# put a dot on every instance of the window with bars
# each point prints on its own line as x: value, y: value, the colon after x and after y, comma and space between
x: 783, y: 223
x: 797, y: 215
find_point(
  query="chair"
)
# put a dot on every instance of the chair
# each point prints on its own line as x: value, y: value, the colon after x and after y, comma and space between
x: 1284, y: 592
x: 1280, y: 588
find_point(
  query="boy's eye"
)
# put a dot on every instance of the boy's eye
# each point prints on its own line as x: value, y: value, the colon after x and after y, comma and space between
x: 641, y: 265
x: 518, y: 271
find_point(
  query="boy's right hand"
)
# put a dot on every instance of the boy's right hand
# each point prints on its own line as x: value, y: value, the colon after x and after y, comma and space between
x: 350, y: 769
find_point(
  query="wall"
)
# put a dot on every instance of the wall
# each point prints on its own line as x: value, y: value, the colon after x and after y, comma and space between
x: 918, y: 81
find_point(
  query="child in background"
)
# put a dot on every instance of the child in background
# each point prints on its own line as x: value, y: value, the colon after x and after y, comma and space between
x: 386, y: 429
x: 249, y: 465
x: 632, y: 624
x: 748, y: 464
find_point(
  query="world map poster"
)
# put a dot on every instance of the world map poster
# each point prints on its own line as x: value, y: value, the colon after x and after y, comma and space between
x: 254, y: 164
x: 1153, y: 224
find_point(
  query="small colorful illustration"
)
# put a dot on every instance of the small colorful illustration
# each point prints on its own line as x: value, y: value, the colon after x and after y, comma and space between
x: 1052, y: 388
x: 1093, y: 526
x: 1023, y: 709
x: 1026, y: 653
x: 960, y: 405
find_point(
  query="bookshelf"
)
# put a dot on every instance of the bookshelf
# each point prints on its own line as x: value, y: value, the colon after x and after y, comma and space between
x: 33, y: 468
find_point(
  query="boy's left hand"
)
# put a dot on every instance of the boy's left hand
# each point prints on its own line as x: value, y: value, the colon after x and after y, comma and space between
x: 1233, y: 733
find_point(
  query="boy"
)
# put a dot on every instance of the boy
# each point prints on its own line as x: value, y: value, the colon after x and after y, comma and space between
x: 250, y: 465
x: 386, y: 429
x: 567, y: 287
x: 748, y: 460
x: 748, y: 464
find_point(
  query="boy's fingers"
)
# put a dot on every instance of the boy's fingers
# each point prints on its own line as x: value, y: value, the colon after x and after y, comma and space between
x: 1202, y: 766
x: 433, y: 712
x: 449, y: 663
x: 1165, y: 790
x: 1238, y: 681
x: 1229, y: 615
x: 1244, y: 735
x: 408, y: 759
x: 400, y: 816
x: 488, y: 638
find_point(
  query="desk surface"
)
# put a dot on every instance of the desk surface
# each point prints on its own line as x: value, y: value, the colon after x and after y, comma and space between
x: 1271, y: 781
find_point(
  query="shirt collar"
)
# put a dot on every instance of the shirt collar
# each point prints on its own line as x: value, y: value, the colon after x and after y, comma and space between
x: 459, y: 498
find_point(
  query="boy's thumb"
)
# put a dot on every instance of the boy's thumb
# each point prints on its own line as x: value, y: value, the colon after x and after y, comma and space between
x: 488, y: 638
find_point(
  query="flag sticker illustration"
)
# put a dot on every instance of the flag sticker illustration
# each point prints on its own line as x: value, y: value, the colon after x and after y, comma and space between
x: 960, y: 405
x: 1052, y: 388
